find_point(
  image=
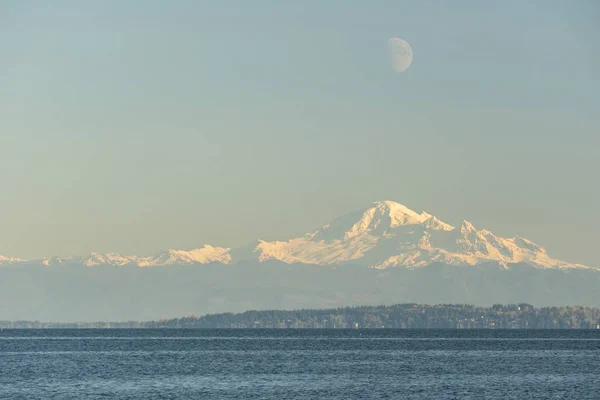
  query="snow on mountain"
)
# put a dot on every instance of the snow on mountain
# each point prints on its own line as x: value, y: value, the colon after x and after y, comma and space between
x: 108, y: 258
x: 57, y: 260
x: 384, y: 235
x: 203, y: 255
x: 9, y: 260
x: 388, y: 234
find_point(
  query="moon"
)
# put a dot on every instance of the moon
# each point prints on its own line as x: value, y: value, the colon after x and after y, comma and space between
x: 400, y: 53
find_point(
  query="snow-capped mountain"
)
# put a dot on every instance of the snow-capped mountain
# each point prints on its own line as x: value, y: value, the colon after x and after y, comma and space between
x: 204, y: 255
x: 9, y: 260
x: 413, y: 257
x: 383, y: 235
x: 388, y: 234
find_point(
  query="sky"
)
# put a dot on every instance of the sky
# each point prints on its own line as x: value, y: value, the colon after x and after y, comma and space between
x: 133, y: 127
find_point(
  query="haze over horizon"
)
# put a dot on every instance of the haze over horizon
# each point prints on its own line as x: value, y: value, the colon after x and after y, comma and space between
x: 136, y: 129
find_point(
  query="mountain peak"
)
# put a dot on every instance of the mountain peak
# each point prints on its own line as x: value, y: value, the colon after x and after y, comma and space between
x: 389, y: 234
x: 466, y: 227
x: 201, y: 255
x: 436, y: 224
x: 108, y: 258
x: 400, y: 214
x: 378, y: 220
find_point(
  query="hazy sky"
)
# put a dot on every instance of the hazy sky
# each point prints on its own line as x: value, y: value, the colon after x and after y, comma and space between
x: 135, y: 126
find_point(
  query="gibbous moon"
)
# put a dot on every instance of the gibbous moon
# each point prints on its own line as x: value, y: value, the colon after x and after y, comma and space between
x: 400, y: 53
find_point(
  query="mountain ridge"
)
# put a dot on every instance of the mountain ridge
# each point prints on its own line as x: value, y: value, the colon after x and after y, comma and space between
x: 383, y: 235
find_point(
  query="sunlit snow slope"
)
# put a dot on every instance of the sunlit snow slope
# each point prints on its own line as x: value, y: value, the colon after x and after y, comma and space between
x: 384, y: 235
x: 388, y: 234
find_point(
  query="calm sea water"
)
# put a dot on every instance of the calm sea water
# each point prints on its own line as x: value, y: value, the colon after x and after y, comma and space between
x: 299, y: 364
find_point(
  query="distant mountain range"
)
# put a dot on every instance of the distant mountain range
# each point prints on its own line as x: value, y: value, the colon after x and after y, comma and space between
x: 383, y: 254
x: 384, y: 235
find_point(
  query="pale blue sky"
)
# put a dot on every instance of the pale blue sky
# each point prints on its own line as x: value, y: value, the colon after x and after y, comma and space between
x: 134, y: 126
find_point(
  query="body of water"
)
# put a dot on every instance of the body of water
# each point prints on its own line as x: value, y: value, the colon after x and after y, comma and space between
x: 299, y: 364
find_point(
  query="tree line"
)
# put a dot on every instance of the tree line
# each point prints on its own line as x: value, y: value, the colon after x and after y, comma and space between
x: 404, y: 316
